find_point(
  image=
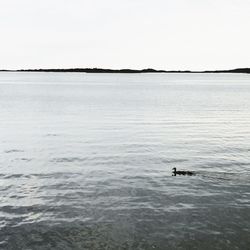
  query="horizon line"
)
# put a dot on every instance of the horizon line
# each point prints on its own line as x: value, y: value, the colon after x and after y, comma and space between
x: 125, y: 70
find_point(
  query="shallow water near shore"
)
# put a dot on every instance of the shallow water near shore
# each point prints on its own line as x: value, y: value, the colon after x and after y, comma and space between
x: 86, y: 159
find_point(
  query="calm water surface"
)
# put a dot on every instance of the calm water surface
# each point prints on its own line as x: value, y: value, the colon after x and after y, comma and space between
x: 86, y: 159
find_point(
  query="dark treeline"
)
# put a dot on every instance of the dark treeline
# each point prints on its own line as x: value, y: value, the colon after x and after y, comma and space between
x: 96, y: 70
x: 100, y: 70
x: 241, y: 70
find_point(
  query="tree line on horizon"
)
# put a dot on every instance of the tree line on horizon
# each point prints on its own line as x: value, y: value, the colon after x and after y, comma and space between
x: 149, y: 70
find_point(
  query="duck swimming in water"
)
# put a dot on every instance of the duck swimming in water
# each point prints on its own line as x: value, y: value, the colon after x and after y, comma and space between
x: 175, y: 172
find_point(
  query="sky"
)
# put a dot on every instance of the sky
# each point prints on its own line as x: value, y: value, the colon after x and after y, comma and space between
x: 160, y: 34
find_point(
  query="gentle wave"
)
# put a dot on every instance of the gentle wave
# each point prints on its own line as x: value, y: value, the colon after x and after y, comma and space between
x: 86, y: 161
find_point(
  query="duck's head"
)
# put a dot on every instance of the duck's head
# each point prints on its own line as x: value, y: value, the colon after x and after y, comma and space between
x: 174, y: 169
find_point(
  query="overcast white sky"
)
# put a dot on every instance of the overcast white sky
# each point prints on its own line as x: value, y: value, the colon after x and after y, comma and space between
x: 162, y: 34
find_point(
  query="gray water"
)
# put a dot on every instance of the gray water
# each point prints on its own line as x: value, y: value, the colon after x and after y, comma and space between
x: 86, y: 159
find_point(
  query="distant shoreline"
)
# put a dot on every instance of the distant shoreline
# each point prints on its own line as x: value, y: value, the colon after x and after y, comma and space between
x: 129, y: 71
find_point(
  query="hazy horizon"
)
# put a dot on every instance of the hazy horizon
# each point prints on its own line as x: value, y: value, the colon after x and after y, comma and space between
x: 164, y: 34
x: 118, y: 69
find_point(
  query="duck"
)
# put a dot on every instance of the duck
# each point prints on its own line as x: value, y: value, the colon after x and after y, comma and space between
x: 175, y: 172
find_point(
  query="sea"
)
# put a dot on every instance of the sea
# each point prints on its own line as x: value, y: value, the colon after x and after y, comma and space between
x: 86, y: 161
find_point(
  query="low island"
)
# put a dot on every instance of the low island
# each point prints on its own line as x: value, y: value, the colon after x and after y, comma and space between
x: 149, y: 70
